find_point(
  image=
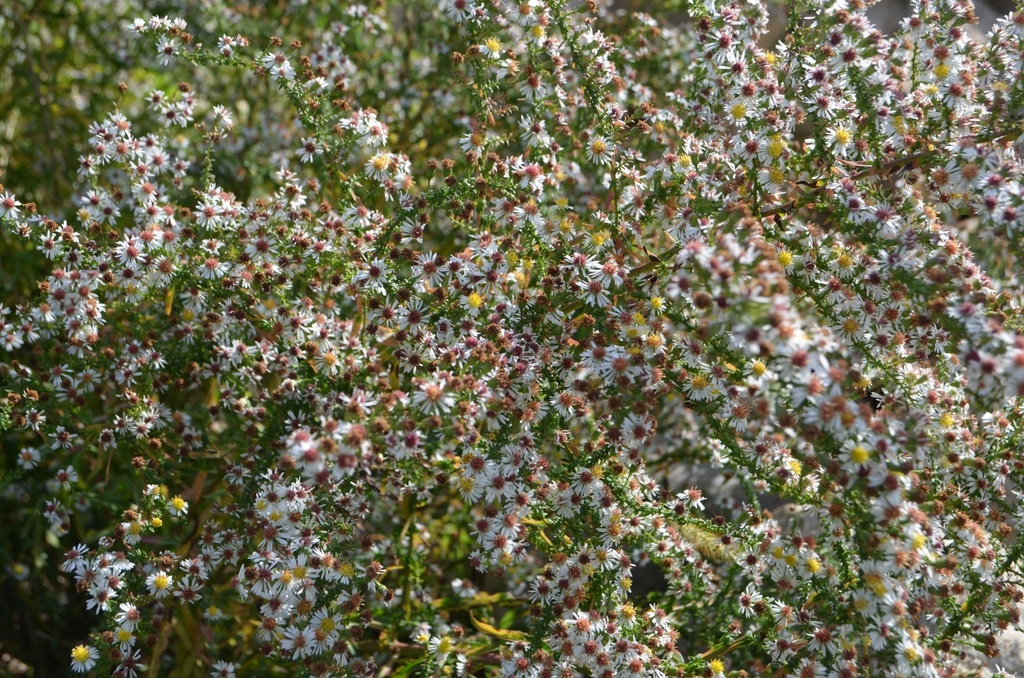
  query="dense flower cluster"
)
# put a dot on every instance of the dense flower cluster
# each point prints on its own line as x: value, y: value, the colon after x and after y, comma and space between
x: 420, y: 392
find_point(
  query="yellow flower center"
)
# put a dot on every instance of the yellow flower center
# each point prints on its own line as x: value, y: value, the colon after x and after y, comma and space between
x: 80, y: 654
x: 875, y: 583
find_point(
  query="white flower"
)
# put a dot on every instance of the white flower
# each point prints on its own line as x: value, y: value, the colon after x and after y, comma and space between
x: 159, y: 584
x: 128, y: 616
x: 278, y: 66
x: 460, y: 10
x: 377, y: 166
x: 74, y: 560
x: 167, y: 48
x: 124, y: 638
x: 223, y: 669
x: 432, y: 399
x: 9, y: 206
x: 212, y: 269
x: 599, y: 151
x: 28, y: 457
x: 177, y: 506
x: 299, y: 641
x: 310, y: 149
x: 373, y: 276
x: 83, y: 658
x: 840, y: 138
x: 441, y: 647
x: 67, y: 477
x: 491, y: 47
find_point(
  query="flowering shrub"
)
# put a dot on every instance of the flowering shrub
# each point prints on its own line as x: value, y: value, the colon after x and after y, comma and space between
x: 398, y: 373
